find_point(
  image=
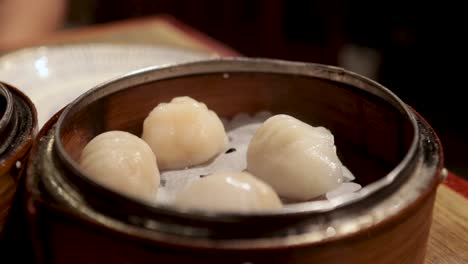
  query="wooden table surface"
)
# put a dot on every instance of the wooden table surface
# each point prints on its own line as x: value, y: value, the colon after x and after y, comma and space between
x: 448, y: 243
x: 162, y: 30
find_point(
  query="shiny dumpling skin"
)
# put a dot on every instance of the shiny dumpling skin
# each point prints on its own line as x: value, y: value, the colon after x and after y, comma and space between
x: 122, y: 162
x: 298, y: 160
x: 238, y: 192
x: 183, y: 133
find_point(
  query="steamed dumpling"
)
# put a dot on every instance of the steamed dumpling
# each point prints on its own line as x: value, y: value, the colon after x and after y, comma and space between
x: 183, y: 133
x: 298, y: 160
x: 122, y: 162
x: 229, y: 192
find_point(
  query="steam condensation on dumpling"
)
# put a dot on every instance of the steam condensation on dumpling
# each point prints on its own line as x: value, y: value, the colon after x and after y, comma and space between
x: 183, y: 133
x: 298, y: 160
x: 229, y: 192
x: 122, y: 162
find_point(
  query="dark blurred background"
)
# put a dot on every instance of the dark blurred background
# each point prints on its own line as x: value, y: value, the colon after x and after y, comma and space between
x: 417, y: 50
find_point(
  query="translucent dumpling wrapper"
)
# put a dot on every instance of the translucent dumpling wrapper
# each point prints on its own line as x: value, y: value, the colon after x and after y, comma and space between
x: 298, y: 160
x: 183, y: 133
x: 240, y: 130
x: 122, y: 162
x: 228, y: 192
